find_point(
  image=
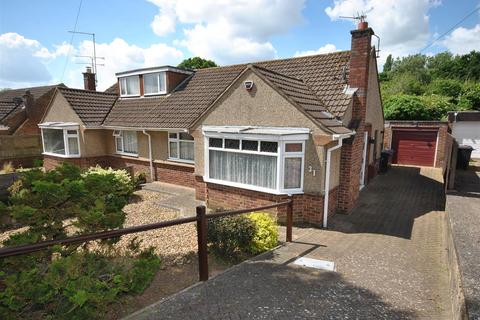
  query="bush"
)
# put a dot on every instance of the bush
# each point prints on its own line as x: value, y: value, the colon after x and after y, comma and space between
x: 238, y: 236
x: 37, y: 163
x: 230, y: 237
x: 470, y: 96
x: 120, y: 179
x: 405, y: 107
x: 266, y: 232
x: 446, y: 87
x: 69, y: 282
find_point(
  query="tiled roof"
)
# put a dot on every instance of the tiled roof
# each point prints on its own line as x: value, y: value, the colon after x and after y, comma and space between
x: 323, y: 74
x: 7, y: 105
x: 112, y: 89
x: 91, y: 106
x: 301, y: 95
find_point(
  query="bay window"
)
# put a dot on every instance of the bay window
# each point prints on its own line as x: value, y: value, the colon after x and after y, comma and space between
x: 129, y: 86
x: 180, y: 147
x: 61, y: 141
x: 126, y: 142
x: 273, y: 164
x: 154, y: 83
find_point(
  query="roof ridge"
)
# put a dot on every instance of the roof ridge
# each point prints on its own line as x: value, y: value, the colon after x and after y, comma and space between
x: 276, y: 72
x: 275, y: 60
x: 87, y: 91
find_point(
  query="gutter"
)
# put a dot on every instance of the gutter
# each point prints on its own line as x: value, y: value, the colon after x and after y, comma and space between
x: 143, y: 129
x: 150, y: 154
x: 340, y: 138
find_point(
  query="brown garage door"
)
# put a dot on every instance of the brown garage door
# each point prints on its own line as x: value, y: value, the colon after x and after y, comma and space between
x: 414, y: 147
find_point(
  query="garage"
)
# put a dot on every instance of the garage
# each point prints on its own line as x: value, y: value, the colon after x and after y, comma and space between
x: 466, y: 129
x: 414, y: 147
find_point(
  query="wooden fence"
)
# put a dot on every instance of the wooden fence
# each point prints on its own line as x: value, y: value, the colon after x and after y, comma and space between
x: 450, y: 164
x: 20, y: 150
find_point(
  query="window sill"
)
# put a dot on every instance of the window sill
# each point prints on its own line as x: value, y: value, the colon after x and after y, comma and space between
x: 253, y: 188
x: 61, y: 155
x: 176, y: 163
x: 125, y: 154
x: 181, y: 160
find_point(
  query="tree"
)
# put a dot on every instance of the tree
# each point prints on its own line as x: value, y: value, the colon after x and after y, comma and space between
x: 196, y: 63
x: 405, y: 107
x: 388, y: 64
x: 446, y: 87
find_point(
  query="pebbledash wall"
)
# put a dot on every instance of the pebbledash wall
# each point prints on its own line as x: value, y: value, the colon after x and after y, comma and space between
x: 246, y: 108
x: 440, y: 126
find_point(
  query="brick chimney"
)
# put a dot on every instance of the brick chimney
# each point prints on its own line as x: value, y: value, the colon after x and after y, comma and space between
x: 352, y: 150
x: 29, y: 103
x: 89, y: 80
x: 359, y: 66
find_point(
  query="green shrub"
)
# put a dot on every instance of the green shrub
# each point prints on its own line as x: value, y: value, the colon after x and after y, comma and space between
x: 140, y: 179
x: 230, y: 237
x: 37, y: 163
x: 77, y: 286
x: 405, y: 107
x: 69, y: 282
x: 120, y: 179
x: 238, y: 236
x: 470, y: 96
x: 446, y: 87
x: 266, y: 232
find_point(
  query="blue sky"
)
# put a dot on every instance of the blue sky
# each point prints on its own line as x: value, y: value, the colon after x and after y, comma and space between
x: 35, y: 45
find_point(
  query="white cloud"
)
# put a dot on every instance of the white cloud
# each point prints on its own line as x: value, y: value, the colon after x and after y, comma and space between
x: 120, y: 56
x: 241, y: 32
x: 403, y: 26
x: 20, y: 63
x: 25, y: 62
x: 325, y: 49
x: 463, y: 40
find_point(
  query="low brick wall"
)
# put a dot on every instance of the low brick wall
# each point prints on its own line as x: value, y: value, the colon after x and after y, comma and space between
x: 179, y: 174
x: 307, y: 208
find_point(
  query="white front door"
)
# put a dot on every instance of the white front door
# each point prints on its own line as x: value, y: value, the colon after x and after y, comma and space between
x: 364, y: 161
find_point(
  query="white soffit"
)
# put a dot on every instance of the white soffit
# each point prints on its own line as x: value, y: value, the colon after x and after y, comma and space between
x: 279, y: 131
x: 58, y: 124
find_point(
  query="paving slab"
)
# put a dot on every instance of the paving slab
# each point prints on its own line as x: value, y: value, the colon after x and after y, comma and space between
x: 389, y: 256
x: 178, y: 197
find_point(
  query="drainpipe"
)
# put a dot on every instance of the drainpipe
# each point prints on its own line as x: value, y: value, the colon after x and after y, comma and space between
x: 327, y: 174
x: 150, y: 154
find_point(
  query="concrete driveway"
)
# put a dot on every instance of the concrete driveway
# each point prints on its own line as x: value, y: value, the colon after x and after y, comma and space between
x: 389, y: 256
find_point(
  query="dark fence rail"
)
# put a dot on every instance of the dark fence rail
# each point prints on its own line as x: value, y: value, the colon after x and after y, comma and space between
x: 201, y: 218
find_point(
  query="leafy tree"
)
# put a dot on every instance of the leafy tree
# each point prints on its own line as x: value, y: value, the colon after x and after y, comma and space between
x: 387, y: 67
x: 446, y: 87
x: 405, y: 107
x: 197, y: 63
x: 470, y: 96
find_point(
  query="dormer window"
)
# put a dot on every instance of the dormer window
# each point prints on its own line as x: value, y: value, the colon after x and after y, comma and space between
x: 130, y: 86
x: 155, y: 83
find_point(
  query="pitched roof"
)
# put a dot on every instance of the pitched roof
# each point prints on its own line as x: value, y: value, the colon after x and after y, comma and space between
x: 91, y: 106
x: 300, y: 94
x: 113, y: 88
x: 7, y: 106
x: 37, y: 92
x: 323, y: 74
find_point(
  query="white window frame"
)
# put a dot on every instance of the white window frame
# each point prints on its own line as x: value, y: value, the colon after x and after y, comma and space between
x: 162, y: 74
x: 177, y: 140
x: 66, y: 135
x: 123, y: 84
x: 280, y: 154
x: 119, y: 134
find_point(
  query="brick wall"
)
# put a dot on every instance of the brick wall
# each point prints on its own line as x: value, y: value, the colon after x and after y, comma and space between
x: 307, y: 208
x: 440, y: 126
x: 352, y: 150
x: 170, y: 173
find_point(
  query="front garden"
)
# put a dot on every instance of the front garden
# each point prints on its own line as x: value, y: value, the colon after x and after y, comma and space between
x: 109, y: 278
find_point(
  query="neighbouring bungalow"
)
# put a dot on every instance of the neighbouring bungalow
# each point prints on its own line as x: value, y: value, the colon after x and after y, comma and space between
x: 242, y: 135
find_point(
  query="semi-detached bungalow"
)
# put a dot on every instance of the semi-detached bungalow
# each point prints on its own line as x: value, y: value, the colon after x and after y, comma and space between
x: 241, y: 135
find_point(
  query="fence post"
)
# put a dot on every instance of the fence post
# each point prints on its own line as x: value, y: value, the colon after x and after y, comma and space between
x: 289, y: 219
x: 202, y: 243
